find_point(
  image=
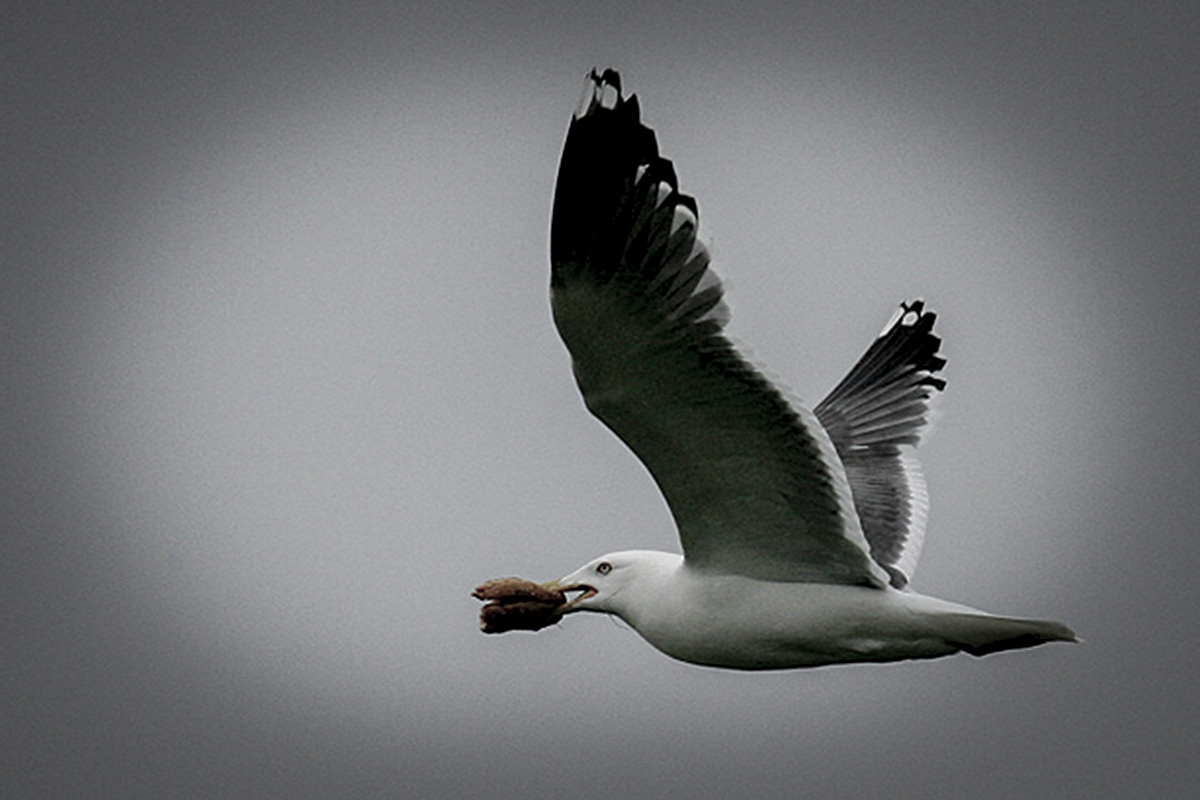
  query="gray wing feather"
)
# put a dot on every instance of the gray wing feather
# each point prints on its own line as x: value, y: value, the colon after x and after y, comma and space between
x: 875, y: 417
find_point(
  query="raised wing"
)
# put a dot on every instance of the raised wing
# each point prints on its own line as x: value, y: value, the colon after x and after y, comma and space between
x: 753, y: 481
x: 875, y: 417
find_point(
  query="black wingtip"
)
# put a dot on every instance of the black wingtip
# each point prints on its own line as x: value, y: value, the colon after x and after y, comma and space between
x: 609, y: 76
x: 602, y: 90
x: 606, y: 143
x: 912, y: 328
x: 904, y: 356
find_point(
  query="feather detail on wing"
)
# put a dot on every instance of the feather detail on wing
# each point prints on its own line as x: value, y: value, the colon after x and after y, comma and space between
x: 753, y: 482
x: 875, y: 417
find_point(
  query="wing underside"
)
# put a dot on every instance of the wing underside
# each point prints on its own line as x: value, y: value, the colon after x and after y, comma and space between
x: 753, y: 481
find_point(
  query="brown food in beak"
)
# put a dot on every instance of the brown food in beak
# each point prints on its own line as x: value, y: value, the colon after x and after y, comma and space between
x: 521, y: 616
x: 507, y: 590
x: 518, y: 605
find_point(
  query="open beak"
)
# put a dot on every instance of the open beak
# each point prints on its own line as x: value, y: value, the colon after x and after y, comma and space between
x: 585, y: 592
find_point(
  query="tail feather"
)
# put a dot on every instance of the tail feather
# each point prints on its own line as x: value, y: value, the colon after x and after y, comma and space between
x: 982, y: 634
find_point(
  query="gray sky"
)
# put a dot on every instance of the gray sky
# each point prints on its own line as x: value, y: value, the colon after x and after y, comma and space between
x: 280, y: 386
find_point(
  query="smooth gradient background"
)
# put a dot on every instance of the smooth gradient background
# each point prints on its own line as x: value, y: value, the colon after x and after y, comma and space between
x: 280, y: 386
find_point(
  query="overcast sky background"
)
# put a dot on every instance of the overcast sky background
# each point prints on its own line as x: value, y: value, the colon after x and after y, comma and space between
x: 280, y: 387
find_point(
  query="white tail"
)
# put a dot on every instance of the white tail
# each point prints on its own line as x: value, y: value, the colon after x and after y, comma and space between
x: 981, y: 634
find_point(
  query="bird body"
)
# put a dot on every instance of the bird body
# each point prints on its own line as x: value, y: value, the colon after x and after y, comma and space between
x: 728, y: 620
x: 800, y: 528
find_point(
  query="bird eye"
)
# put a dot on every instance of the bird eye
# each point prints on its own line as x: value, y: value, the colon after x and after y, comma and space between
x: 603, y: 568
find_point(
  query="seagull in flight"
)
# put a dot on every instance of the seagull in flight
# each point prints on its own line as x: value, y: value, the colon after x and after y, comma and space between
x: 800, y: 529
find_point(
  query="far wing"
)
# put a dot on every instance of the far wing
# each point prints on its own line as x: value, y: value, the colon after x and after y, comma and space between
x: 875, y: 417
x: 753, y: 482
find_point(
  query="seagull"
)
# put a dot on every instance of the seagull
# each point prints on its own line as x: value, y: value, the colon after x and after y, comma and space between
x: 800, y: 528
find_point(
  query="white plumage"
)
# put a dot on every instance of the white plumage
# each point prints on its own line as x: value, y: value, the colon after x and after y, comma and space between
x: 800, y: 529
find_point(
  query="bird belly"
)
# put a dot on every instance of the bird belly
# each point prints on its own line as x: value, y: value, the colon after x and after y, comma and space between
x: 754, y: 625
